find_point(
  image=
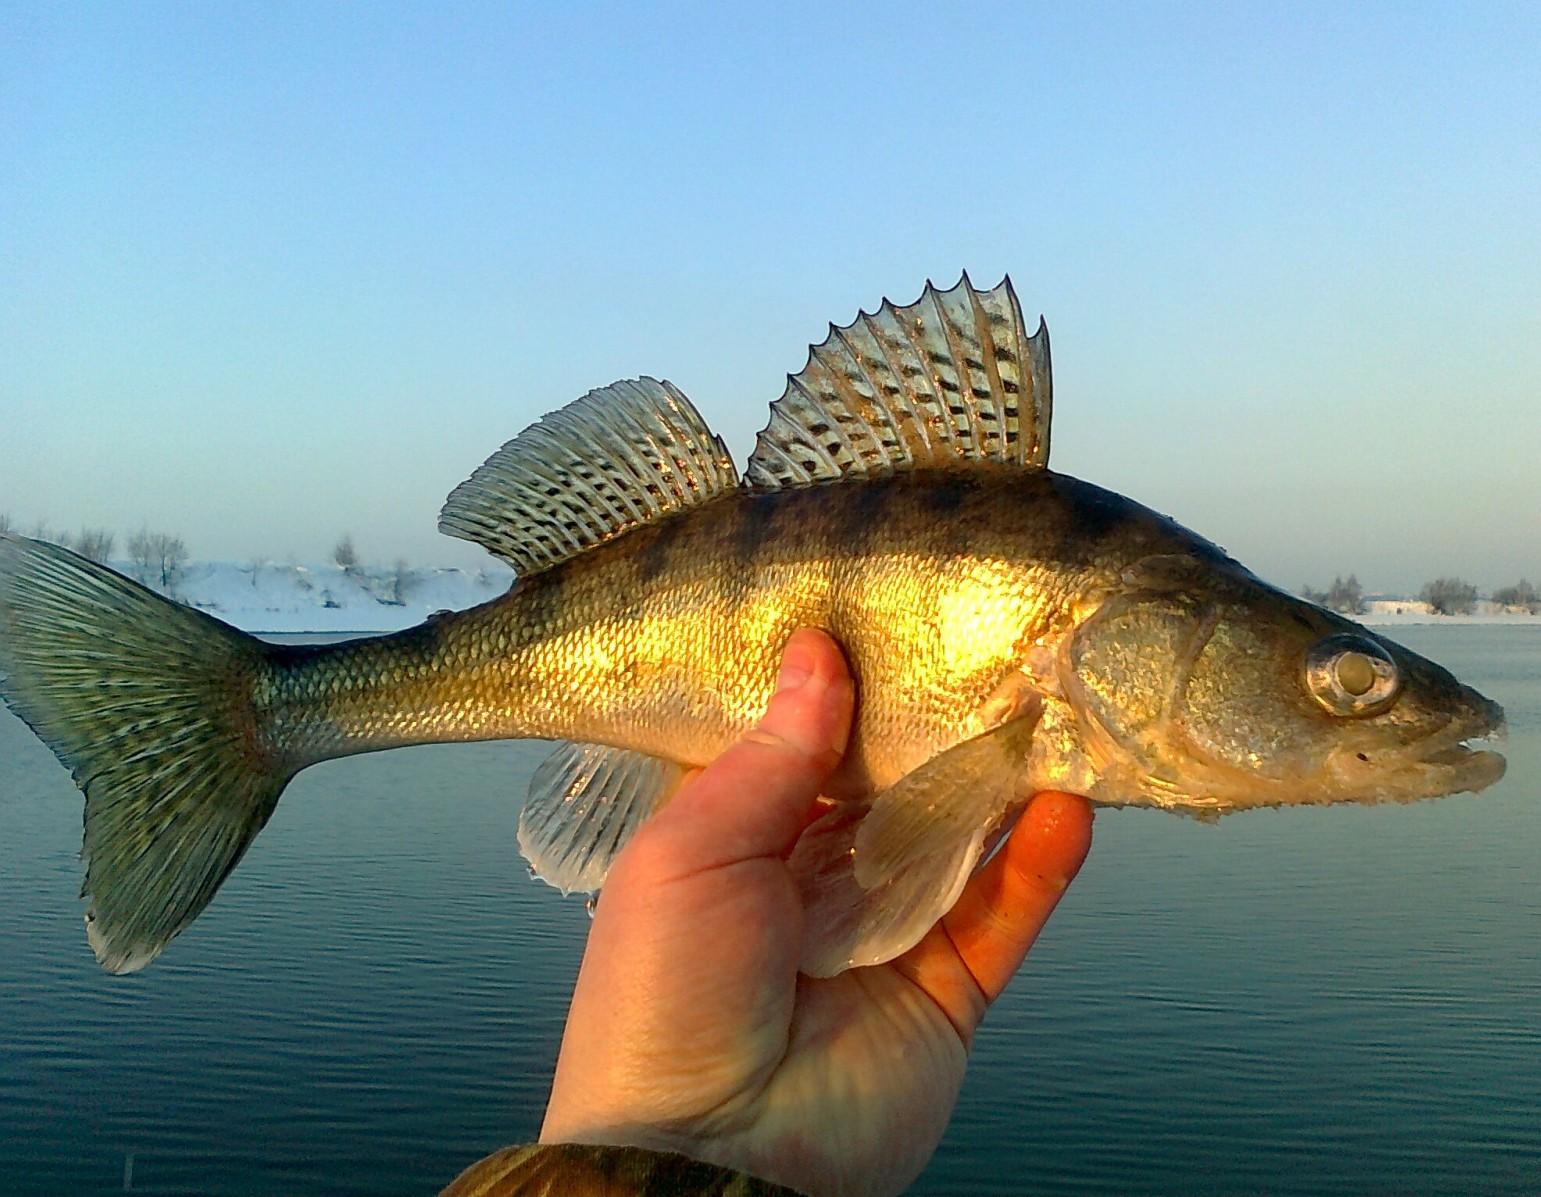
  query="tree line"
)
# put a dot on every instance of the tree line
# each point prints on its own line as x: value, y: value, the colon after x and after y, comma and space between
x: 154, y: 558
x: 347, y: 558
x: 157, y: 558
x: 153, y: 553
x: 1444, y: 596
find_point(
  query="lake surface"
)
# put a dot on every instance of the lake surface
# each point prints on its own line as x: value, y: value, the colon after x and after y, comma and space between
x: 1312, y: 1001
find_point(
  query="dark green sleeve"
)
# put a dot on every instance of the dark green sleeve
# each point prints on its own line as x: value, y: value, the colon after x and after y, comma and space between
x: 582, y: 1170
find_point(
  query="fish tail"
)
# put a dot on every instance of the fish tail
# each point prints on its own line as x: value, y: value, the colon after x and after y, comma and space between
x: 150, y: 705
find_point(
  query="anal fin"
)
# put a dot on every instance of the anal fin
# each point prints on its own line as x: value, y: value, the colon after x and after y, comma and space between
x: 585, y: 802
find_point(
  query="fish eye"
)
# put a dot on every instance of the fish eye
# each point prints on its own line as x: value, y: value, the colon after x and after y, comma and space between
x: 1352, y: 676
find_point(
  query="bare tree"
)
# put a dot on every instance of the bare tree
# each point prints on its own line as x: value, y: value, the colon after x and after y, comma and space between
x: 42, y: 531
x: 1521, y: 596
x: 170, y: 556
x: 1450, y: 596
x: 95, y: 543
x: 345, y: 554
x: 1347, y: 596
x: 1312, y: 595
x: 157, y: 558
x: 256, y: 568
x: 401, y: 577
x: 5, y: 521
x: 141, y: 554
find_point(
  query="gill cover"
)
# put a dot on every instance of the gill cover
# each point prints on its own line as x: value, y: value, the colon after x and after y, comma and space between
x: 1193, y: 700
x: 1126, y: 665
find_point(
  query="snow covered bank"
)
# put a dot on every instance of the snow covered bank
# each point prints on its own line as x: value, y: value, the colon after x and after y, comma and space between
x: 1393, y: 611
x: 327, y: 598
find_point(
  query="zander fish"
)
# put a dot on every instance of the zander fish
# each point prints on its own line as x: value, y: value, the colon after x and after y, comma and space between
x: 1009, y: 628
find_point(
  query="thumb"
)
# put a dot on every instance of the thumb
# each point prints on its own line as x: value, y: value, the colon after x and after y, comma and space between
x: 753, y: 800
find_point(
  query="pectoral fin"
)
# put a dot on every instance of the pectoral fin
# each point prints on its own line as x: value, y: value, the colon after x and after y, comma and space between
x: 875, y: 880
x: 948, y: 799
x: 848, y: 926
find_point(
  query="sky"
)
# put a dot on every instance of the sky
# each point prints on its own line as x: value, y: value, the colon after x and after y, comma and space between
x: 271, y: 273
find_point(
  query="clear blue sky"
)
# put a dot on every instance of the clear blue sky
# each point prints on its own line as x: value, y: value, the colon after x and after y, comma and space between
x: 273, y: 272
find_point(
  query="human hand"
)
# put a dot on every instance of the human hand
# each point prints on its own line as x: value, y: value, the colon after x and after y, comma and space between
x: 690, y: 1028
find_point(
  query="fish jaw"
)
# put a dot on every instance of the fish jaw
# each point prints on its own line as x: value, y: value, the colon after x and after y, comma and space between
x: 1448, y: 762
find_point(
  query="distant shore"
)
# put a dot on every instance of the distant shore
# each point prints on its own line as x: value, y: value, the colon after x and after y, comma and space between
x: 293, y: 599
x: 1395, y: 611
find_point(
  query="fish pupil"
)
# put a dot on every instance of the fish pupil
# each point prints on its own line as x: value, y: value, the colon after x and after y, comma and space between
x: 1356, y: 674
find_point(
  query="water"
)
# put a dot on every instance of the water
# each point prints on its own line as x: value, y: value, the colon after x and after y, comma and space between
x: 1310, y: 1001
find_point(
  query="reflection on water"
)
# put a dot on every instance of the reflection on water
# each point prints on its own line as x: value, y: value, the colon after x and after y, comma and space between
x: 1306, y: 1001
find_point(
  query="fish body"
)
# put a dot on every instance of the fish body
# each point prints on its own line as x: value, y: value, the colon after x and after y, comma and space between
x: 667, y: 640
x: 1009, y: 629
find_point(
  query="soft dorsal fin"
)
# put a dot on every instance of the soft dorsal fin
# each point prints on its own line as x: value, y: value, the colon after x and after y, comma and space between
x: 952, y: 379
x: 626, y: 454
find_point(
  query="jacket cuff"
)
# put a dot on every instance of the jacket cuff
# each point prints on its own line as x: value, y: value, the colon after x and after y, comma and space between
x: 586, y: 1170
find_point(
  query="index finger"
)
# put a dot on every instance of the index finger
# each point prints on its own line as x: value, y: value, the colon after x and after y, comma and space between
x: 1006, y: 904
x: 965, y: 961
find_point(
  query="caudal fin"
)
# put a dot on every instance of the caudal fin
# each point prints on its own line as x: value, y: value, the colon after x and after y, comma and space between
x: 149, y: 704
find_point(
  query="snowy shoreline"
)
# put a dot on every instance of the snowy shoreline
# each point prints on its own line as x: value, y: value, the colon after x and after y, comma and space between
x: 293, y: 599
x: 288, y: 599
x: 1395, y: 612
x: 1376, y: 619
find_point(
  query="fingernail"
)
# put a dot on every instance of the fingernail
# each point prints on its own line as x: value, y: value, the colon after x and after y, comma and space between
x: 795, y: 670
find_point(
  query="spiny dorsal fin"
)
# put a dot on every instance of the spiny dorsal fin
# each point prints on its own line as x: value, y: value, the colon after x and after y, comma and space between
x: 626, y: 454
x: 586, y: 801
x: 953, y: 378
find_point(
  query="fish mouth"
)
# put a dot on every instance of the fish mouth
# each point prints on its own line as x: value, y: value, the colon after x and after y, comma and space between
x: 1453, y: 760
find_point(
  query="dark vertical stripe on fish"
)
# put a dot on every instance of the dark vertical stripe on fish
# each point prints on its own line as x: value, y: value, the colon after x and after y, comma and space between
x: 657, y: 553
x: 753, y: 522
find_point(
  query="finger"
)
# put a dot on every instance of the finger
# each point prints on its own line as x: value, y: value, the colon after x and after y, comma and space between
x: 754, y: 799
x: 965, y: 961
x: 1006, y: 904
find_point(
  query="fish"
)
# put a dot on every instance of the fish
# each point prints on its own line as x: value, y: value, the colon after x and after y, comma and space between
x: 1010, y: 629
